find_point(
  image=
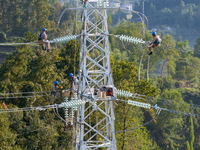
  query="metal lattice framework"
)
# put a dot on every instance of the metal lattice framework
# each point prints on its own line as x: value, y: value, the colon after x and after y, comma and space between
x: 95, y: 71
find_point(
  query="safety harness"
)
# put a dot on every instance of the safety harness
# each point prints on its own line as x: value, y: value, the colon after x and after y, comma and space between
x: 40, y: 37
x: 54, y: 93
x: 157, y: 42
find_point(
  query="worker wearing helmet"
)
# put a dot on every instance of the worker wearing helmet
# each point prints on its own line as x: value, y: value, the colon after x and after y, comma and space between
x: 155, y: 42
x: 54, y: 91
x: 43, y: 39
x: 73, y: 82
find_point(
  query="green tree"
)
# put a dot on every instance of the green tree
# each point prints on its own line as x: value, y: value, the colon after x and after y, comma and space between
x: 3, y: 37
x: 7, y: 136
x: 38, y: 134
x: 127, y: 116
x: 168, y: 56
x: 188, y: 145
x: 168, y: 127
x: 152, y: 12
x: 70, y: 56
x: 167, y: 16
x: 191, y: 136
x: 197, y: 48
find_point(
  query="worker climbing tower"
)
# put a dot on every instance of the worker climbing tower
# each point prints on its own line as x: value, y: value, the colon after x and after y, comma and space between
x: 95, y: 73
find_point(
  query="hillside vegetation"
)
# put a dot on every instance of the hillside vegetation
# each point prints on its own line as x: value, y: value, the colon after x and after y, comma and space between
x: 174, y: 83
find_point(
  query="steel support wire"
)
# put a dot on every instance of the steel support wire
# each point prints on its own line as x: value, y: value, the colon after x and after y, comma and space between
x: 24, y: 93
x: 148, y: 69
x: 170, y: 110
x: 156, y: 116
x: 179, y: 112
x: 26, y: 132
x: 23, y: 96
x: 137, y: 96
x: 184, y: 104
x: 10, y: 44
x: 40, y: 108
x: 57, y: 113
x: 140, y: 63
x: 16, y: 44
x: 135, y: 128
x: 162, y: 99
x: 169, y: 102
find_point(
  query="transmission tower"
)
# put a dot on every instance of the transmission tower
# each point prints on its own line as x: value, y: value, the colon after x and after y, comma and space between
x: 95, y: 71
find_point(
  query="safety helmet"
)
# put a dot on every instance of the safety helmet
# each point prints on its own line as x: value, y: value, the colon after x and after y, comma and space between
x: 70, y: 75
x: 153, y: 33
x: 56, y: 82
x: 44, y: 29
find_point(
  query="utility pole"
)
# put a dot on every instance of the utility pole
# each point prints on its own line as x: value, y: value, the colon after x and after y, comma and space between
x: 143, y: 38
x: 93, y: 73
x: 143, y: 18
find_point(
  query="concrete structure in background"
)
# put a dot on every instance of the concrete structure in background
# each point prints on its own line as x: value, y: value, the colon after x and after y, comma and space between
x: 115, y: 4
x: 128, y: 6
x: 128, y: 17
x: 63, y: 1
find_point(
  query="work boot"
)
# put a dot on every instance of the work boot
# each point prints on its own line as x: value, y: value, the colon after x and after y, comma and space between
x: 150, y: 53
x: 43, y: 48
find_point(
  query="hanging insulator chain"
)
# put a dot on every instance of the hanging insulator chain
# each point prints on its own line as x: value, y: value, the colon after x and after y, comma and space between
x: 72, y: 104
x: 71, y: 115
x: 75, y: 98
x: 66, y: 109
x: 139, y: 104
x: 65, y: 38
x: 131, y: 39
x: 123, y: 93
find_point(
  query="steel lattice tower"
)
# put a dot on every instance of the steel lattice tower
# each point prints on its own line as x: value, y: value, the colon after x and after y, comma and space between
x: 95, y: 70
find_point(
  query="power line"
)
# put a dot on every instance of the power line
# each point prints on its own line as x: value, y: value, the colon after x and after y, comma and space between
x: 179, y: 112
x: 156, y: 116
x: 24, y: 93
x: 26, y: 132
x: 135, y: 128
x: 40, y: 108
x: 59, y: 106
x: 23, y: 96
x: 133, y: 95
x: 69, y: 104
x: 58, y: 115
x: 170, y: 110
x: 163, y: 99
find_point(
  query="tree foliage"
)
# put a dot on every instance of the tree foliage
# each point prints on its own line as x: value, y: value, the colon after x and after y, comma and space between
x: 174, y: 77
